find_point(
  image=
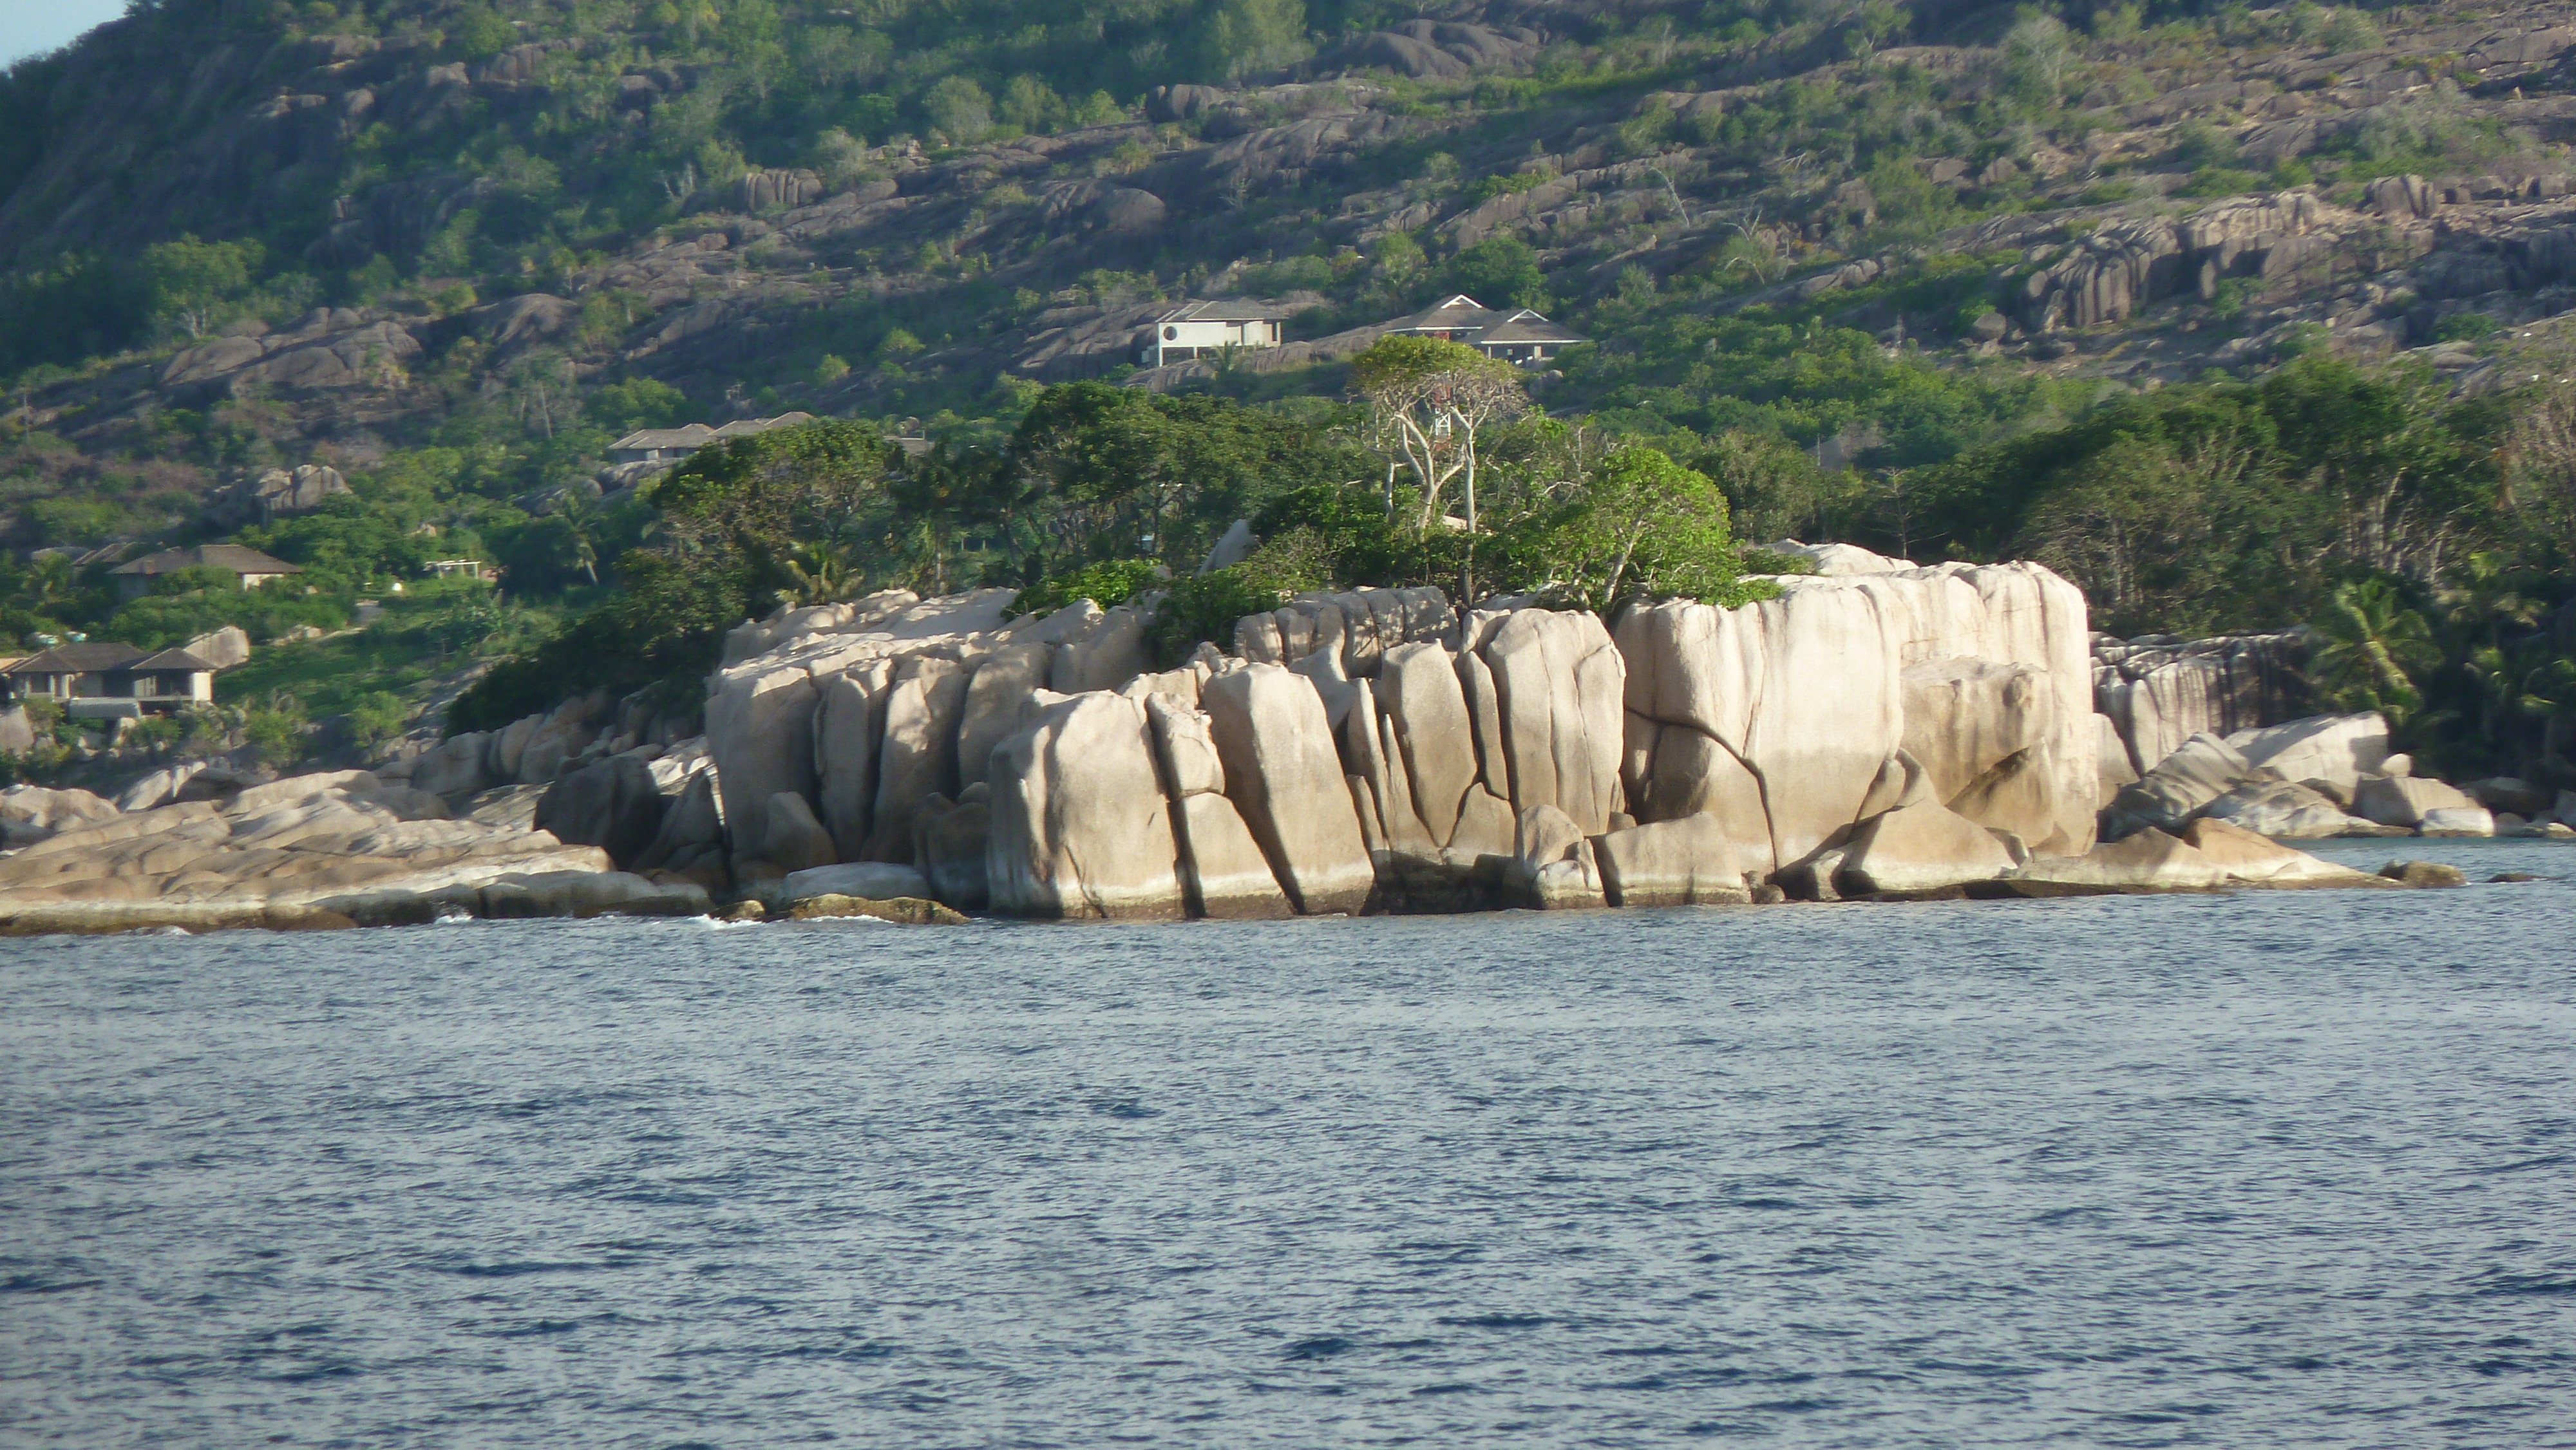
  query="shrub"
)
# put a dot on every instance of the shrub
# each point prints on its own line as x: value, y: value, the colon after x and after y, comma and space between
x: 2464, y: 327
x: 1109, y: 583
x: 1208, y: 606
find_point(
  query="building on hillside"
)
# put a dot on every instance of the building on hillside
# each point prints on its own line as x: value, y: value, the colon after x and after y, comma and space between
x: 670, y: 445
x: 254, y: 568
x: 104, y: 680
x: 1205, y: 329
x: 1519, y: 336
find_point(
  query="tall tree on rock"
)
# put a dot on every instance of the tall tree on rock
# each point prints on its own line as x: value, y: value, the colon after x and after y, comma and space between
x: 1429, y: 402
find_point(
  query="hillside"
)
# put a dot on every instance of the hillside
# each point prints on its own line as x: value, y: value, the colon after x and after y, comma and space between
x: 452, y: 250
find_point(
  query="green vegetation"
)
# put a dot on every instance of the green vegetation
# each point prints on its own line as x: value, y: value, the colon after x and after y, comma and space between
x: 425, y: 639
x: 1735, y: 391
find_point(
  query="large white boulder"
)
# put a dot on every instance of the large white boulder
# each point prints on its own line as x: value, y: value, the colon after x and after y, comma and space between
x: 1419, y: 689
x: 1284, y: 774
x: 760, y: 727
x: 1923, y: 847
x: 1559, y: 680
x: 2278, y: 808
x: 2337, y: 748
x: 2253, y: 860
x: 918, y: 756
x: 867, y: 880
x: 1554, y: 867
x: 2198, y: 772
x: 1108, y: 652
x: 1686, y: 862
x: 1807, y: 696
x: 1841, y: 560
x: 1223, y: 872
x: 1000, y: 701
x: 2404, y: 800
x: 2151, y: 860
x: 849, y: 735
x: 1964, y: 718
x: 1080, y: 825
x: 2457, y: 821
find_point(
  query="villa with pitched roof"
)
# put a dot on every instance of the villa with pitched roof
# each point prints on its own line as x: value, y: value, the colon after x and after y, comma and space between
x: 670, y: 445
x: 254, y: 568
x: 1520, y: 335
x: 105, y: 680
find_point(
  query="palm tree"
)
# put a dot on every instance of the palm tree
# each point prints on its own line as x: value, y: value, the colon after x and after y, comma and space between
x: 2372, y: 650
x: 50, y: 582
x: 821, y: 572
x: 580, y: 513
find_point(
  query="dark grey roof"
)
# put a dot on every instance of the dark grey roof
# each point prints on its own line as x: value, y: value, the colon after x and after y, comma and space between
x: 1540, y: 330
x: 235, y: 557
x: 171, y: 659
x: 87, y: 657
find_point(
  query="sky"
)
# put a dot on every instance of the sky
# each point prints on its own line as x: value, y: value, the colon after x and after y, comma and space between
x: 29, y: 27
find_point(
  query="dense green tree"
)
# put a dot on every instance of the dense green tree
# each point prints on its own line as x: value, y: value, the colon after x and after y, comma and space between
x: 1499, y: 271
x: 197, y: 286
x: 1636, y: 524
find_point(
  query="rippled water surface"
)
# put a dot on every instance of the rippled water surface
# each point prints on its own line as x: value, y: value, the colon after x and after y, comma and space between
x: 2293, y: 1169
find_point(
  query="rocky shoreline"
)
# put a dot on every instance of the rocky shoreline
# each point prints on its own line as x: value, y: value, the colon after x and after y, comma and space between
x: 1877, y: 732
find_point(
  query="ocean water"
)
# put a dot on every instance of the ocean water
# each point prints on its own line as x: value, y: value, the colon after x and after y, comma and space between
x: 2256, y: 1170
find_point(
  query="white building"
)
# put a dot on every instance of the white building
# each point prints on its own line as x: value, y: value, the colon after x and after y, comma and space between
x: 1205, y: 329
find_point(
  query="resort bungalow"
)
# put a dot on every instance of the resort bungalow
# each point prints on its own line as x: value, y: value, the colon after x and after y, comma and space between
x: 1519, y: 336
x: 1205, y: 329
x: 254, y: 568
x: 670, y: 445
x: 103, y: 680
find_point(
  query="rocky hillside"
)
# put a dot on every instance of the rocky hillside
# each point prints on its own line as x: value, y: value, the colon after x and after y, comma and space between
x: 2136, y: 201
x: 452, y: 250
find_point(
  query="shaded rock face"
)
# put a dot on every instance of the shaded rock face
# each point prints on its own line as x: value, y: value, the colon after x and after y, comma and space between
x: 275, y: 494
x: 2122, y: 268
x: 2159, y: 693
x: 1434, y: 50
x: 2278, y: 808
x: 529, y: 751
x: 614, y: 804
x: 2195, y: 774
x: 868, y: 880
x: 332, y: 348
x: 1355, y: 628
